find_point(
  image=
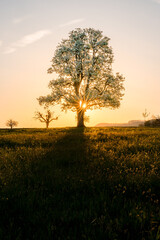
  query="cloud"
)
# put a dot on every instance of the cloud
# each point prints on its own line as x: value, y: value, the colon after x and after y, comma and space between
x: 9, y: 50
x: 27, y: 40
x: 72, y: 22
x: 31, y: 38
x: 19, y: 19
x: 157, y: 1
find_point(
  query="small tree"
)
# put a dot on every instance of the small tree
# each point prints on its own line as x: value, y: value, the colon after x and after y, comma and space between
x: 11, y: 123
x: 85, y: 80
x: 46, y: 118
x: 145, y: 115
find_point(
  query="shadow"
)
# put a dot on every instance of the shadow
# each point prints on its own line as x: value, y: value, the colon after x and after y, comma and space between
x: 43, y: 193
x: 71, y: 184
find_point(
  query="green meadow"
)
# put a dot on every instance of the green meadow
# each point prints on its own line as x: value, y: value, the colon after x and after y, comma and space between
x: 69, y: 183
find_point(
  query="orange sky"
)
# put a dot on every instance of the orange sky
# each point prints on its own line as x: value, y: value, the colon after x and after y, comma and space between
x: 31, y: 31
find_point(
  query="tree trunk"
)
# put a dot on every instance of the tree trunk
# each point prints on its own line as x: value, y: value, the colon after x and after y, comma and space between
x: 80, y: 118
x: 47, y: 124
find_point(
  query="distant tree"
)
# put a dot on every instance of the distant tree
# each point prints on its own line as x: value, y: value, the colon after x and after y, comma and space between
x: 85, y: 80
x: 11, y: 123
x: 46, y: 118
x: 145, y: 114
x: 153, y: 122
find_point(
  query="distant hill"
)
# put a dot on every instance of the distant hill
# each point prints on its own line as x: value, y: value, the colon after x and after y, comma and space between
x: 131, y: 123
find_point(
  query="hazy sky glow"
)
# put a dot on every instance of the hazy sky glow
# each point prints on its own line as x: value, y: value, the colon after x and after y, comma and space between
x: 31, y: 30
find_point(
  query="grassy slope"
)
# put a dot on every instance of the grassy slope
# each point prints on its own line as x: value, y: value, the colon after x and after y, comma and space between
x: 96, y: 183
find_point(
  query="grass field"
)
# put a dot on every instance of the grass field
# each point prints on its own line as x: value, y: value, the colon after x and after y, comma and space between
x: 92, y: 183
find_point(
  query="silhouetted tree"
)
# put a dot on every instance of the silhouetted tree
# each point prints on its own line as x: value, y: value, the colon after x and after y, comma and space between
x: 46, y: 118
x: 145, y: 114
x: 11, y: 123
x: 153, y: 122
x: 83, y: 63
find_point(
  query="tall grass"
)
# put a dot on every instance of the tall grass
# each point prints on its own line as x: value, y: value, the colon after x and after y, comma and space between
x: 92, y: 183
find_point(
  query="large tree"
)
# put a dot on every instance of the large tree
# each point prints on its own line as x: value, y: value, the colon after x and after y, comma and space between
x: 85, y: 80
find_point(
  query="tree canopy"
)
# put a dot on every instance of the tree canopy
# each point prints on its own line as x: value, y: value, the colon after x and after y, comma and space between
x: 85, y: 80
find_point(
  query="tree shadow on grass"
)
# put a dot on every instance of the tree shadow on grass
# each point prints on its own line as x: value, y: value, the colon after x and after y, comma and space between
x: 44, y: 197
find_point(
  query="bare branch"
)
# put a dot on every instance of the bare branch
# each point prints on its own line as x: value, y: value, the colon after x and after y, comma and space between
x: 47, y: 117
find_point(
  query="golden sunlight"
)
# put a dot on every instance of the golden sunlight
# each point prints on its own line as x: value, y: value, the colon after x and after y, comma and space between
x: 84, y: 105
x: 80, y: 103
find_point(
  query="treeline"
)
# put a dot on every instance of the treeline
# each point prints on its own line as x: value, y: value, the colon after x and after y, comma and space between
x: 153, y: 122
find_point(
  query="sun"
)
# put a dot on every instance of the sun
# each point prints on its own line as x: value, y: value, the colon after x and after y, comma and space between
x: 82, y: 104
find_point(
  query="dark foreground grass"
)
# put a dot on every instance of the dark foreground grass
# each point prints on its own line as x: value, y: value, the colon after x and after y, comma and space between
x: 92, y: 183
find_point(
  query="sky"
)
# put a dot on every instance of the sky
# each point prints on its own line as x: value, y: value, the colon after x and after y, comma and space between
x: 30, y: 31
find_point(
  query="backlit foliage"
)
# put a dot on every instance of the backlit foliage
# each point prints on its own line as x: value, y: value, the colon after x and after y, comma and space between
x: 85, y: 80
